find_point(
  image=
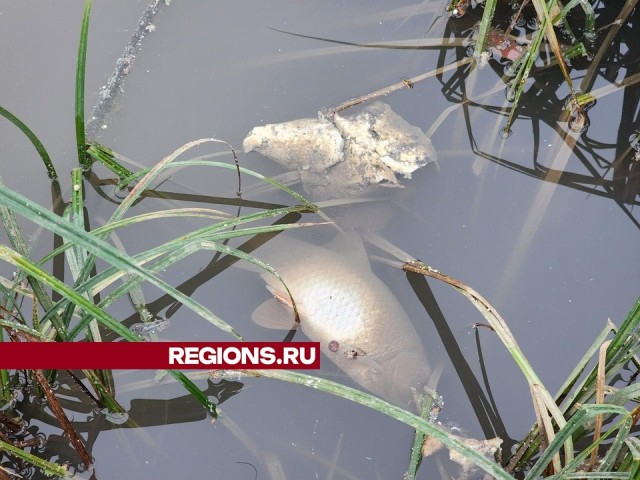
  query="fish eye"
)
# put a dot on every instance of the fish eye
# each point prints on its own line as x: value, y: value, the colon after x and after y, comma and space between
x: 354, y: 352
x: 348, y: 350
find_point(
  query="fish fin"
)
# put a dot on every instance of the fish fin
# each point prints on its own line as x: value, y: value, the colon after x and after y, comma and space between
x: 275, y: 315
x: 349, y: 244
x: 280, y: 296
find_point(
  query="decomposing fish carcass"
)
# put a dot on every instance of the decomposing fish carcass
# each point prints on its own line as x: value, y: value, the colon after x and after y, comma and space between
x: 346, y: 153
x: 360, y: 325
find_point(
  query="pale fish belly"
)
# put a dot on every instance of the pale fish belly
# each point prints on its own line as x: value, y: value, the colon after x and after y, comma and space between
x: 359, y: 323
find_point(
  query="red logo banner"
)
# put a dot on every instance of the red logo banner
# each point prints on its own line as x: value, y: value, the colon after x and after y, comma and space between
x: 159, y: 355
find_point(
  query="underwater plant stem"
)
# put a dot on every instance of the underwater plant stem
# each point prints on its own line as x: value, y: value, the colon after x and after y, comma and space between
x: 407, y: 83
x: 427, y: 402
x: 5, y: 387
x: 485, y: 25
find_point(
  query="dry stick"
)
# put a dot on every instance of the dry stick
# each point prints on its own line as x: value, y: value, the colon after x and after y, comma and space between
x: 602, y: 363
x: 57, y: 410
x: 543, y: 427
x: 515, y: 18
x: 54, y: 404
x: 407, y: 83
x: 546, y: 426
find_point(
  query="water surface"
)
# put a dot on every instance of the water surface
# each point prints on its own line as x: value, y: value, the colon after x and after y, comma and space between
x: 555, y: 261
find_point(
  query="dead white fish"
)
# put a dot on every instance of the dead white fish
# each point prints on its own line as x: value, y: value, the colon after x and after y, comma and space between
x: 347, y: 153
x: 359, y: 323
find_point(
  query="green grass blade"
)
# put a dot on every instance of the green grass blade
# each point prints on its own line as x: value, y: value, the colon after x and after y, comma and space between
x: 627, y: 332
x: 179, y: 250
x: 107, y: 157
x: 130, y: 283
x: 433, y: 430
x: 208, y: 163
x: 23, y: 328
x: 51, y: 171
x: 251, y: 259
x: 577, y: 464
x: 81, y: 141
x: 485, y: 25
x: 630, y: 393
x: 78, y: 255
x: 192, y: 388
x: 297, y: 196
x: 112, y: 226
x: 134, y: 195
x: 597, y: 476
x: 25, y: 265
x: 565, y: 391
x: 426, y: 409
x: 552, y: 40
x: 145, y: 183
x: 17, y: 241
x: 49, y: 468
x: 96, y: 246
x: 634, y: 448
x: 583, y: 415
x: 174, y: 248
x: 620, y: 351
x: 611, y: 456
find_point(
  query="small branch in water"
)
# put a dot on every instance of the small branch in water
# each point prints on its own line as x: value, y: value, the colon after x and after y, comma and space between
x: 409, y: 83
x: 66, y: 425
